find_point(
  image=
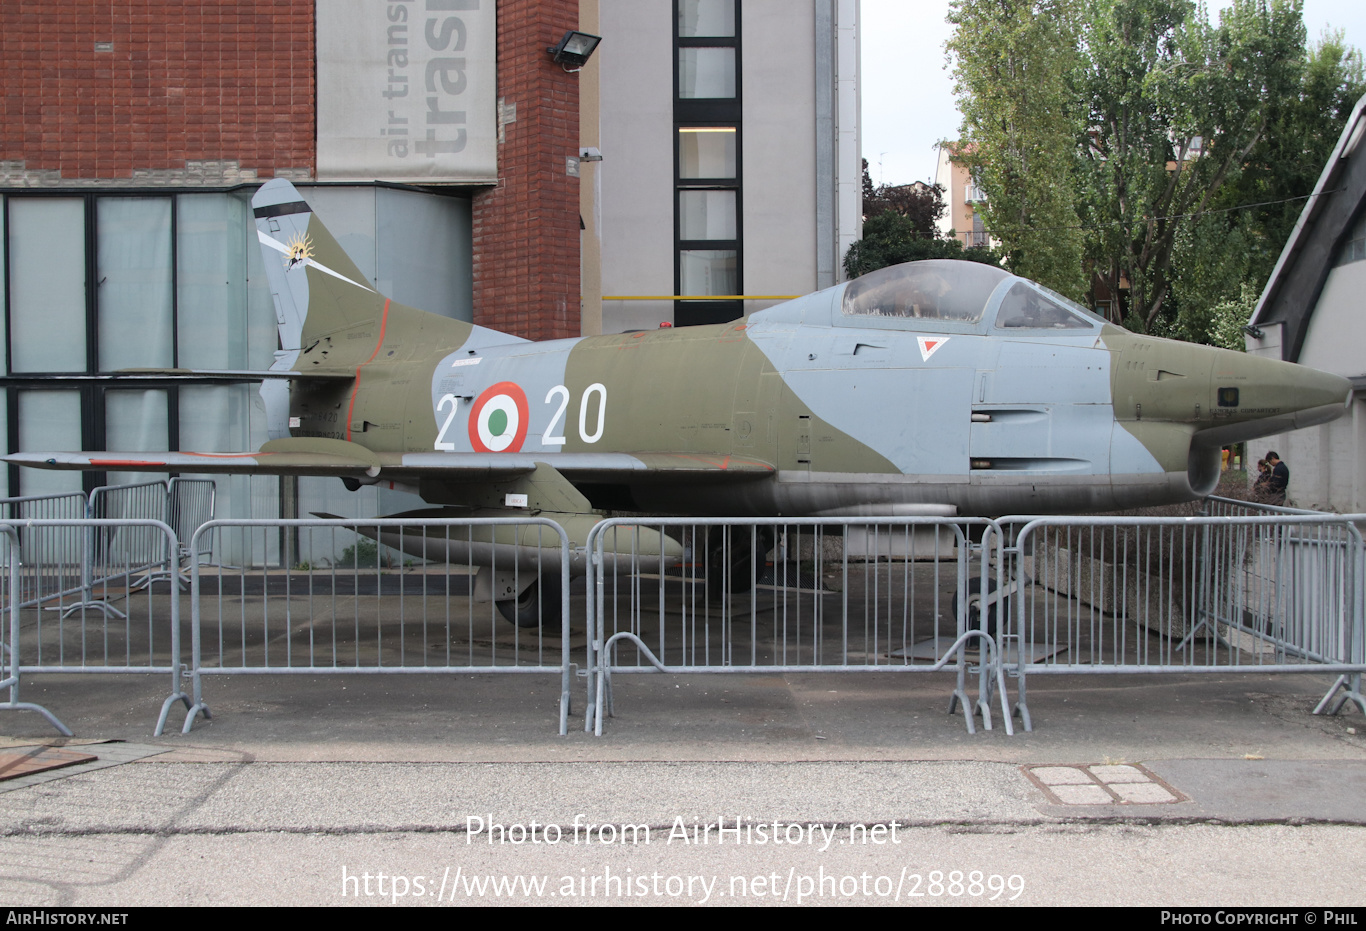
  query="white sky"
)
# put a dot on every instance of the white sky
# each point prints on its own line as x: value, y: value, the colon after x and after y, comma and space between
x: 908, y: 102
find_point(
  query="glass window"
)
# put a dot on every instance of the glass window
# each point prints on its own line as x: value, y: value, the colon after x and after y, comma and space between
x: 349, y: 213
x: 133, y: 255
x: 706, y: 18
x: 211, y: 270
x: 4, y: 441
x: 706, y: 73
x: 425, y: 252
x: 49, y: 420
x: 135, y: 422
x: 706, y: 214
x: 710, y: 271
x: 47, y: 284
x: 941, y: 289
x: 706, y: 152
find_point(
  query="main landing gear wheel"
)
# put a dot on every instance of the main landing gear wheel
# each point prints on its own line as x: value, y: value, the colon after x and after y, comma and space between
x: 731, y: 556
x: 537, y: 606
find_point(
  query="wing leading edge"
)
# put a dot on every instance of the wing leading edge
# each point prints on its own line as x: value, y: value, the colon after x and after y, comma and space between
x: 338, y: 458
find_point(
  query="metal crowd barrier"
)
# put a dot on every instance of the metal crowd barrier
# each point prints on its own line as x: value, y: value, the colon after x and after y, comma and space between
x: 83, y: 558
x: 1265, y: 592
x: 191, y: 502
x: 1348, y: 685
x: 145, y: 640
x: 381, y: 596
x: 771, y: 595
x: 120, y: 544
x: 1256, y: 589
x: 59, y: 549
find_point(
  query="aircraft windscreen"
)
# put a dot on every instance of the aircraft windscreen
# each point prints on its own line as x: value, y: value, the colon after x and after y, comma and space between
x: 940, y: 289
x: 1032, y: 307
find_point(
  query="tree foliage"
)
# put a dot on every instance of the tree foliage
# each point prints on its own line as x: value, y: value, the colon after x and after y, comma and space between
x: 900, y: 224
x: 922, y: 204
x: 1016, y: 64
x: 1223, y: 253
x: 1157, y: 131
x: 890, y: 239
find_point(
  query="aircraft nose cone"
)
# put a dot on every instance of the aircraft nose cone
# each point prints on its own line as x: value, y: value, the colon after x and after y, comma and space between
x: 1253, y: 396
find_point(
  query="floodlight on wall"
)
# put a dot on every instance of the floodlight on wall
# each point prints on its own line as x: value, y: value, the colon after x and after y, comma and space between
x: 574, y: 49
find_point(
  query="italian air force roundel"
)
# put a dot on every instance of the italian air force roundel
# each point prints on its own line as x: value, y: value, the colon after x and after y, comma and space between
x: 498, y: 420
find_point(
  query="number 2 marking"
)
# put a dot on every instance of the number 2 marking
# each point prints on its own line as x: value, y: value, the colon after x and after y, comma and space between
x: 441, y: 443
x: 551, y: 438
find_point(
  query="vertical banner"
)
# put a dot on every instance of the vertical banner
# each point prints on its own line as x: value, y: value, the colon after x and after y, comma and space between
x: 407, y: 90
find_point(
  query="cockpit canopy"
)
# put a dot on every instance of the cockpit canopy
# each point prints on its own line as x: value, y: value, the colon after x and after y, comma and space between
x: 926, y: 295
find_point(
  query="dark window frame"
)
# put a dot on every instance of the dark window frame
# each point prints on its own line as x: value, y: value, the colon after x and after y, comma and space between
x: 703, y: 111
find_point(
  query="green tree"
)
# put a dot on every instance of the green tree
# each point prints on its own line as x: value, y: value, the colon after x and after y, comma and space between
x: 1227, y: 319
x: 1015, y: 64
x: 922, y: 204
x: 1177, y: 109
x: 1222, y: 253
x: 1155, y: 131
x: 890, y: 239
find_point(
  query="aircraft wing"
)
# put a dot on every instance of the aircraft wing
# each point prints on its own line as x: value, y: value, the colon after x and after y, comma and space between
x: 644, y: 467
x: 235, y: 375
x: 327, y: 457
x: 263, y: 462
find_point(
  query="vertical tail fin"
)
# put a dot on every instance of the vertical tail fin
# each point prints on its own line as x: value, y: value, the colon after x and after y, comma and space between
x: 336, y: 295
x: 294, y: 240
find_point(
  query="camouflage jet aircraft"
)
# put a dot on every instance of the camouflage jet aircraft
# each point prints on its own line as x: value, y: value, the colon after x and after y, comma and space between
x: 933, y: 388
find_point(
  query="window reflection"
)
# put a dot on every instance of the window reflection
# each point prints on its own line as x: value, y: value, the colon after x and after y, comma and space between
x: 708, y: 272
x: 706, y: 18
x: 706, y: 73
x: 706, y: 214
x: 706, y: 152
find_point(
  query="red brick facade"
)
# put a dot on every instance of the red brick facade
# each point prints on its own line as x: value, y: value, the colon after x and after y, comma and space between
x: 102, y: 91
x: 526, y: 231
x: 182, y: 81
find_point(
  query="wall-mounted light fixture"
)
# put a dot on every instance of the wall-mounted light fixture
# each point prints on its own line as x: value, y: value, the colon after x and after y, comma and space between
x: 574, y: 50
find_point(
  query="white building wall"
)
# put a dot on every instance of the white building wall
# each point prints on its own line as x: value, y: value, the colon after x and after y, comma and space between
x: 849, y: 148
x: 1326, y: 462
x: 635, y: 176
x: 633, y: 196
x: 778, y: 126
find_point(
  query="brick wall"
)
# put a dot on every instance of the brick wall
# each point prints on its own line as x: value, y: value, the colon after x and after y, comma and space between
x: 187, y: 86
x: 526, y: 231
x: 182, y: 82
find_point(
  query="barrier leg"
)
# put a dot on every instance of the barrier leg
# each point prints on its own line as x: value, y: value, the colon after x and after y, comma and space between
x: 1350, y: 686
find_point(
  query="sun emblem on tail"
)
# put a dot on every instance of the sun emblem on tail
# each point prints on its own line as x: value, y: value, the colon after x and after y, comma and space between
x: 300, y: 248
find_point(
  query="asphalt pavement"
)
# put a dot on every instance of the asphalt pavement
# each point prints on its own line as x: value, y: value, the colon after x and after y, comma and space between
x: 1170, y: 790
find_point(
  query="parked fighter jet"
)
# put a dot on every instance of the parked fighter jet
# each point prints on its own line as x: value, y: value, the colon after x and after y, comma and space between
x: 933, y: 388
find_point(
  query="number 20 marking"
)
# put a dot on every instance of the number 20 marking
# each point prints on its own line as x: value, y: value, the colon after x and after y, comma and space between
x: 551, y: 438
x: 557, y: 419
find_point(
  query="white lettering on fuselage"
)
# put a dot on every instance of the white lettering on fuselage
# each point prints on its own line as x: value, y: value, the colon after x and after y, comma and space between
x: 554, y: 431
